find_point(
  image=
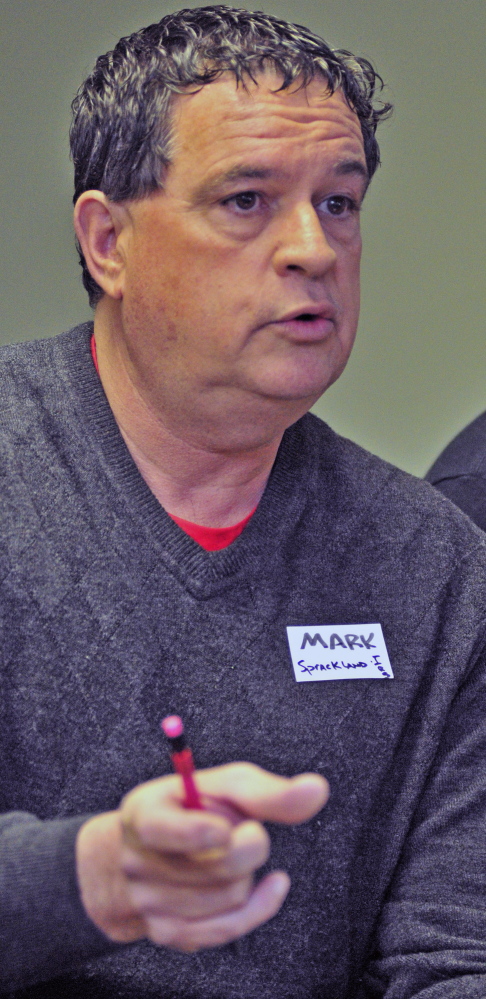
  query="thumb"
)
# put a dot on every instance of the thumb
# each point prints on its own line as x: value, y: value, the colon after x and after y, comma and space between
x: 264, y: 796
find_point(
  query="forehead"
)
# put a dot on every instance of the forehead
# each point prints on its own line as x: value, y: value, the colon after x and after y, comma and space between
x: 222, y: 120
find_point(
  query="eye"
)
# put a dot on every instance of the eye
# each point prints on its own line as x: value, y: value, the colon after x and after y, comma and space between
x: 340, y: 204
x: 245, y: 200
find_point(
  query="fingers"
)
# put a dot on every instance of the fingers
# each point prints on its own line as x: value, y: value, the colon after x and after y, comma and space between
x: 194, y: 934
x: 184, y: 877
x: 203, y: 900
x: 183, y: 902
x: 153, y: 817
x: 247, y: 849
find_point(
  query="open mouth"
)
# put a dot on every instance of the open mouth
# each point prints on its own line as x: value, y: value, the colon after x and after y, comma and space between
x: 308, y: 326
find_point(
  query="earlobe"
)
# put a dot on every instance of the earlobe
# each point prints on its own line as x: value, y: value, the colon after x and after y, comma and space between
x: 98, y: 223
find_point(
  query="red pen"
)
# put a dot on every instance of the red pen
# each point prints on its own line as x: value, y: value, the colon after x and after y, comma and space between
x: 182, y: 760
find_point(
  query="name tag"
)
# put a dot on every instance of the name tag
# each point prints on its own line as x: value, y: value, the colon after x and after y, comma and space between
x: 338, y: 652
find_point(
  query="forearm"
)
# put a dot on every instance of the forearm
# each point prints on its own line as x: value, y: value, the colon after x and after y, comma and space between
x: 44, y: 929
x: 431, y: 937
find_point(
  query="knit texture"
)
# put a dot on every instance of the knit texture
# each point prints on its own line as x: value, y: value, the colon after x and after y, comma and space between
x: 112, y: 617
x: 460, y: 471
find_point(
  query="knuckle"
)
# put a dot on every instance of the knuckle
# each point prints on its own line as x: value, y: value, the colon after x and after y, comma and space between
x: 144, y: 828
x: 265, y: 844
x: 131, y: 863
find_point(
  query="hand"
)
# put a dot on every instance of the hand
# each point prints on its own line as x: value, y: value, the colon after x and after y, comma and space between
x: 184, y: 878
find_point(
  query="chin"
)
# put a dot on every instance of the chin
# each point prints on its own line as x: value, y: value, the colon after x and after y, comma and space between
x: 297, y: 378
x: 297, y: 387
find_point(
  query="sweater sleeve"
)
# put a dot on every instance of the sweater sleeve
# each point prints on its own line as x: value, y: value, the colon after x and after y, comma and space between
x: 44, y: 929
x: 431, y: 939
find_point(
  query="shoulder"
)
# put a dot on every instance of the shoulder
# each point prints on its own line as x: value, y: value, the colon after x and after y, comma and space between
x: 25, y: 368
x: 353, y: 476
x: 460, y: 471
x: 382, y: 508
x: 39, y: 411
x: 36, y: 380
x: 465, y: 455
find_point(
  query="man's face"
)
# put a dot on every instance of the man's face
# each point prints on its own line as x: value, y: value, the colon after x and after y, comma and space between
x: 241, y: 276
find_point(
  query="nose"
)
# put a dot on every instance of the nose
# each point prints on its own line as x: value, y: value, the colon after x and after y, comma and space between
x: 302, y: 244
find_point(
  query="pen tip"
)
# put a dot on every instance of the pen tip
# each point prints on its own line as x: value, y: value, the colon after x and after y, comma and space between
x: 172, y: 726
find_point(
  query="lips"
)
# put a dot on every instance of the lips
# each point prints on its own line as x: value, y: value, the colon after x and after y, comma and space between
x: 308, y: 313
x: 309, y: 323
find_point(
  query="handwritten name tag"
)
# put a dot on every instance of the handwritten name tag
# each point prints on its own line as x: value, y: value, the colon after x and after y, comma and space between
x: 338, y: 652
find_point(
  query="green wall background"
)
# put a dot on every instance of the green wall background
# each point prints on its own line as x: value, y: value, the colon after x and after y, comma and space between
x: 418, y: 371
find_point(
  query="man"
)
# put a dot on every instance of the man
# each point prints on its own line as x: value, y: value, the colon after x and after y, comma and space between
x: 170, y: 511
x: 460, y: 471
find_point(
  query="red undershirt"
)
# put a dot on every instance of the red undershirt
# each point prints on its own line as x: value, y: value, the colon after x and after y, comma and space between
x: 212, y: 539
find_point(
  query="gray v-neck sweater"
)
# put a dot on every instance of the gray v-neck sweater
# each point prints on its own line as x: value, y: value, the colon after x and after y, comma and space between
x: 112, y: 617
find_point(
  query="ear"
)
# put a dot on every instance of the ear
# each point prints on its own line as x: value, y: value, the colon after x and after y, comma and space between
x: 99, y: 224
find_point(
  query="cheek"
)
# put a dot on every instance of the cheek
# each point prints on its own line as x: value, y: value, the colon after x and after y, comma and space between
x: 349, y: 272
x: 164, y: 303
x: 349, y: 296
x: 155, y: 283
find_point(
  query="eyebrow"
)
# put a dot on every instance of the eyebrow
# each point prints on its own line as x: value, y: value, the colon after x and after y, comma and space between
x: 346, y: 167
x: 242, y: 172
x: 247, y: 172
x: 352, y: 166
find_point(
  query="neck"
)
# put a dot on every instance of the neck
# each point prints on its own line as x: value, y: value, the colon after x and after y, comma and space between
x: 213, y: 476
x: 208, y: 488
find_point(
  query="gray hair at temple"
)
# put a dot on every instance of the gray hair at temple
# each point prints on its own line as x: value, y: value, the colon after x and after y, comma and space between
x: 121, y: 130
